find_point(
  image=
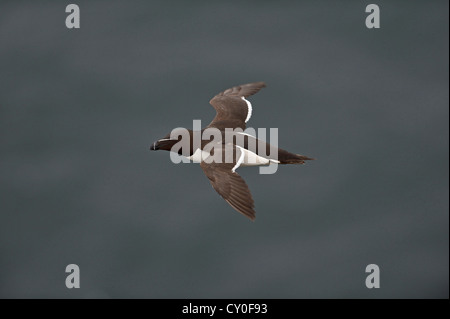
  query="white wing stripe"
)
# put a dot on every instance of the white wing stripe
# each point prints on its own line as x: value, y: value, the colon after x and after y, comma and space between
x: 249, y: 112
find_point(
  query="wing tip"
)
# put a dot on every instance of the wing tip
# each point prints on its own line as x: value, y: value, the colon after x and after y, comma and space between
x: 248, y: 212
x: 244, y: 90
x: 250, y: 215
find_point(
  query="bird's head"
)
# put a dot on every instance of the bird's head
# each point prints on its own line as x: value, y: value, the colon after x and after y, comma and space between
x: 176, y: 135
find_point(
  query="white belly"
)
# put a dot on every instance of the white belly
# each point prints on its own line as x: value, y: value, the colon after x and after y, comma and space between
x: 198, y: 156
x: 253, y: 159
x: 247, y: 158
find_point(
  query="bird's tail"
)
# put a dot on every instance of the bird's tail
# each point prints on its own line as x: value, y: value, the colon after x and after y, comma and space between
x: 289, y: 158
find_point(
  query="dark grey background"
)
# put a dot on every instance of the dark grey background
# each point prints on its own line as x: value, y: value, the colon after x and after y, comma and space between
x: 79, y: 109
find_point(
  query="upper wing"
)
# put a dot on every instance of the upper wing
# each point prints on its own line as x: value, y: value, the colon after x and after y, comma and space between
x: 233, y: 110
x: 230, y: 186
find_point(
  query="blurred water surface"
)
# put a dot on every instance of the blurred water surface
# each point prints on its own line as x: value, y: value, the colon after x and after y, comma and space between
x: 79, y: 109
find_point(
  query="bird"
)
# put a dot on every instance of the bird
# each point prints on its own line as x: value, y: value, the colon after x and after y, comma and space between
x: 219, y: 163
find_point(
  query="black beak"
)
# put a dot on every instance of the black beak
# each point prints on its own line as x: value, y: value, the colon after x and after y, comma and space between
x: 154, y: 146
x: 163, y: 144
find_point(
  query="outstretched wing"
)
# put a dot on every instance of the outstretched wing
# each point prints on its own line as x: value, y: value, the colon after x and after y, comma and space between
x: 230, y: 185
x: 233, y: 110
